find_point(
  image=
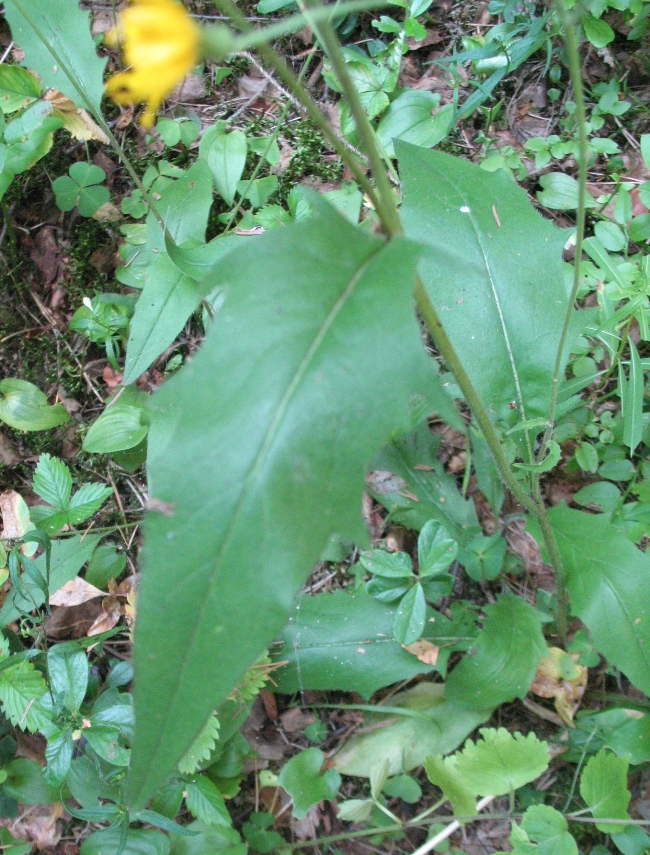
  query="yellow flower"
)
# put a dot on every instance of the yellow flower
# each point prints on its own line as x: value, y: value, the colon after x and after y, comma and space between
x: 160, y: 44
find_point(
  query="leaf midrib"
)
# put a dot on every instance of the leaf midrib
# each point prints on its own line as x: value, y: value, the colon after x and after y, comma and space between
x: 257, y: 463
x: 497, y: 302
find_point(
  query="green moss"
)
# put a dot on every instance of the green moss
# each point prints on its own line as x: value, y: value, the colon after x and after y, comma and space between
x: 309, y: 146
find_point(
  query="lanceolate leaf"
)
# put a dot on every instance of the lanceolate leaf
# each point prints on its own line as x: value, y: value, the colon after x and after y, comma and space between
x: 259, y: 447
x: 609, y: 585
x: 504, y: 662
x: 58, y: 45
x: 494, y: 273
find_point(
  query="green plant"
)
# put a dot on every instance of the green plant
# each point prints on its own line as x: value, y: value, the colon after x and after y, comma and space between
x: 312, y: 375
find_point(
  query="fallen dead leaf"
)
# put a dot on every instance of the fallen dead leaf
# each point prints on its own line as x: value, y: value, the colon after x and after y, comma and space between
x: 382, y: 482
x: 75, y: 592
x: 72, y: 621
x: 38, y: 824
x: 560, y: 677
x: 15, y: 515
x: 425, y: 651
x: 108, y: 618
x: 8, y: 453
x: 45, y: 254
x: 295, y: 720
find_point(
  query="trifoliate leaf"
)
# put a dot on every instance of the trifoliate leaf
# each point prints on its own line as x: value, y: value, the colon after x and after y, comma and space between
x: 603, y: 786
x: 53, y: 482
x: 201, y: 748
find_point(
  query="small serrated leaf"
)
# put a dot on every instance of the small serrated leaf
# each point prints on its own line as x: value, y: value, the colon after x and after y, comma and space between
x: 205, y: 802
x: 21, y: 688
x: 201, y: 748
x: 53, y: 482
x: 86, y: 501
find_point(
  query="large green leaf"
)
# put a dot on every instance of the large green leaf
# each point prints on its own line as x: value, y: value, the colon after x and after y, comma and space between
x: 345, y: 641
x: 167, y: 301
x: 259, y: 448
x: 506, y: 657
x: 609, y: 585
x: 58, y: 45
x: 493, y: 271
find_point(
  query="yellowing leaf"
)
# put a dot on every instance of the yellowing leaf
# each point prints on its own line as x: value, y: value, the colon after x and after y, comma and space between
x: 75, y: 120
x: 560, y: 677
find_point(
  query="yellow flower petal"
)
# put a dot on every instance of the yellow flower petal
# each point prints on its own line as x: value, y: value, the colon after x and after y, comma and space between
x: 160, y: 44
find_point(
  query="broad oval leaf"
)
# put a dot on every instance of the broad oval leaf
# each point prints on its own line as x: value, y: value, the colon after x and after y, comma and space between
x: 139, y: 841
x: 430, y: 724
x: 410, y: 118
x: 410, y: 616
x: 493, y: 271
x: 58, y: 45
x: 505, y: 659
x: 260, y: 445
x: 609, y: 585
x: 226, y: 158
x: 24, y: 407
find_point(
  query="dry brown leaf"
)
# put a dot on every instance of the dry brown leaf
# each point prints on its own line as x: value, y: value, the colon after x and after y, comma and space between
x: 15, y: 515
x: 560, y: 677
x: 38, y: 824
x: 75, y: 120
x: 107, y: 213
x: 8, y: 454
x: 109, y: 617
x: 382, y: 482
x: 295, y: 720
x: 75, y: 592
x: 425, y: 651
x: 72, y: 621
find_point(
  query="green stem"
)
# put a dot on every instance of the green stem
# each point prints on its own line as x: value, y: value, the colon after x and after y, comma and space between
x: 446, y: 350
x: 575, y: 72
x: 314, y: 112
x: 254, y: 38
x: 386, y: 208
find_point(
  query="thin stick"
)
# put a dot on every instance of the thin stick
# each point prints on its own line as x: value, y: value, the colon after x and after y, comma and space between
x: 447, y: 832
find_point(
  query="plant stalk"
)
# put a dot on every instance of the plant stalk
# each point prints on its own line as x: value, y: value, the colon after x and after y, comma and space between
x: 391, y: 222
x: 313, y: 110
x: 386, y: 208
x: 575, y: 71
